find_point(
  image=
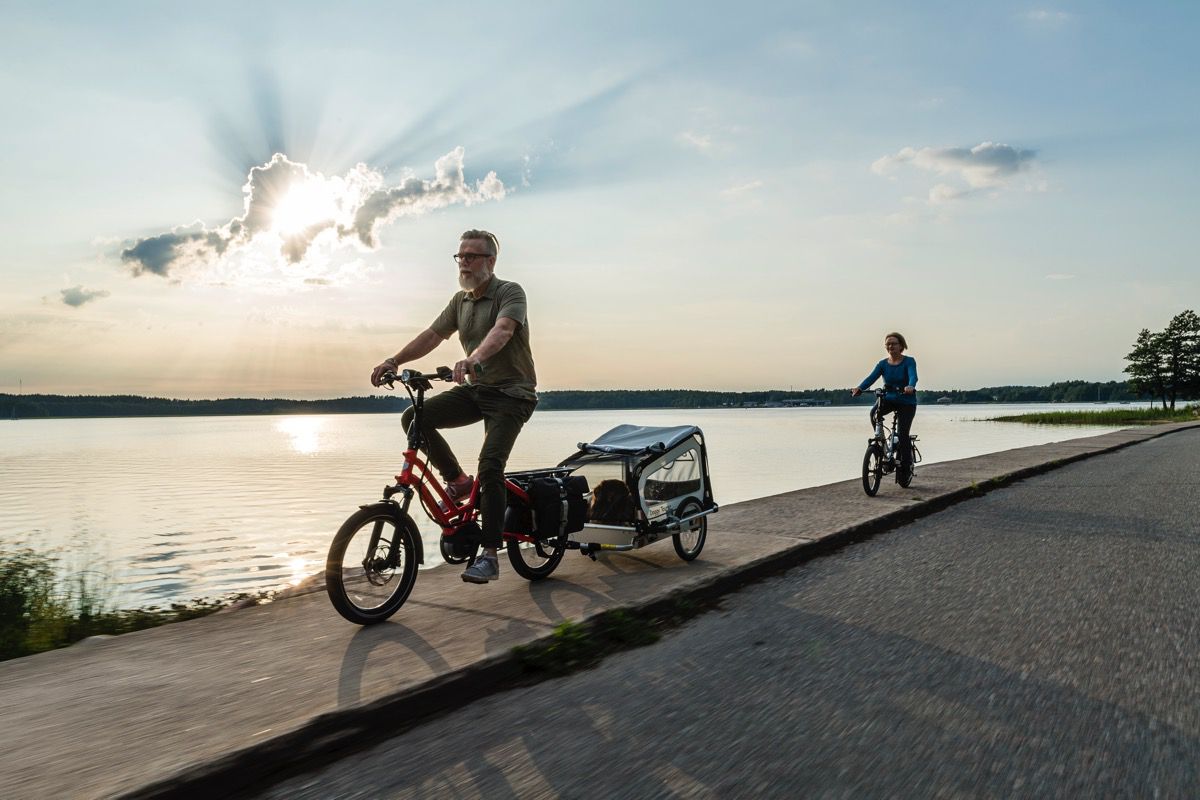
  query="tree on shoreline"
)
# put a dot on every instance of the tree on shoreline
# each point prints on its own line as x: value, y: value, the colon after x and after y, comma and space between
x: 1166, y: 364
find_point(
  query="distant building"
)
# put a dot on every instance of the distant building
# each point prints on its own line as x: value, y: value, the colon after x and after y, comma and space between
x: 804, y: 402
x: 944, y: 401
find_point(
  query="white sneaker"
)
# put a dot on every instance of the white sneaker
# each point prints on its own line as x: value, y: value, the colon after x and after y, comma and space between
x: 485, y: 568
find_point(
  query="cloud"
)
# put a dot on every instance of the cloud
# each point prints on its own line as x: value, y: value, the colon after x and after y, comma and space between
x: 942, y: 194
x: 158, y: 254
x: 1059, y: 276
x: 745, y: 188
x: 697, y: 141
x: 415, y: 196
x: 1047, y: 17
x: 77, y: 295
x: 292, y: 207
x: 985, y: 166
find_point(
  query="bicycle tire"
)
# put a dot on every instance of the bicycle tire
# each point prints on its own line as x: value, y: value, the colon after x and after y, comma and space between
x: 689, y: 543
x: 369, y: 589
x: 534, y: 561
x: 872, y: 470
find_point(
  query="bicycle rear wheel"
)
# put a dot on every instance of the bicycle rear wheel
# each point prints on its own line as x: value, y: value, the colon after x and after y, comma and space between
x: 372, y: 564
x: 536, y: 560
x: 872, y: 470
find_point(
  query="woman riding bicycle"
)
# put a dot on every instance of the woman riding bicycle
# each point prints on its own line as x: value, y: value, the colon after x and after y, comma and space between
x: 897, y: 370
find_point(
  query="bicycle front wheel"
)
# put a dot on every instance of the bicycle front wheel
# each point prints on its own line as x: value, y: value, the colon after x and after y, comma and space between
x: 872, y: 471
x: 372, y: 564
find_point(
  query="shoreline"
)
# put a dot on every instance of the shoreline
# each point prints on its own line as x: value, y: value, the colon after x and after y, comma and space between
x: 327, y: 412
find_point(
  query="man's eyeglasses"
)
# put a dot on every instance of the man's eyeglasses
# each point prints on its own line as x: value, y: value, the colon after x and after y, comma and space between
x: 467, y: 258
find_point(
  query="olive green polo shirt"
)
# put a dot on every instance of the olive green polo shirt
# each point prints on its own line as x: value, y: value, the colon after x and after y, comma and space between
x: 510, y: 370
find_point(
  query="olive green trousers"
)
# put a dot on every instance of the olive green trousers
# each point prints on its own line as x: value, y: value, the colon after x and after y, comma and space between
x: 503, y: 417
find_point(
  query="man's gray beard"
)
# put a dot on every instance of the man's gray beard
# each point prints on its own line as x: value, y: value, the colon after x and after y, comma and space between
x: 472, y: 283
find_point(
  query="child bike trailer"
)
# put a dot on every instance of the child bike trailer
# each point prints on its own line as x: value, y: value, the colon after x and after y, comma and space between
x: 647, y: 483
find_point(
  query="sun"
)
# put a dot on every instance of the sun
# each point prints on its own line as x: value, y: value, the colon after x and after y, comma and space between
x: 306, y: 203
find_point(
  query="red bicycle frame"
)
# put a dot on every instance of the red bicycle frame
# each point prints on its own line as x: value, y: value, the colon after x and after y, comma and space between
x: 444, y: 511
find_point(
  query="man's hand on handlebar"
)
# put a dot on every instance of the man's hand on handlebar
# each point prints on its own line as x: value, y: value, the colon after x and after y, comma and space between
x: 386, y: 366
x: 855, y: 392
x: 468, y: 367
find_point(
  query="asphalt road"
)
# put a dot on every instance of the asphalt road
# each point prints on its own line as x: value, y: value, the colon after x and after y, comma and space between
x: 1039, y: 641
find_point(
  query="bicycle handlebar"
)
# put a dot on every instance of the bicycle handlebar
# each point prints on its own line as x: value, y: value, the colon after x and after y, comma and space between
x: 440, y: 374
x: 410, y: 376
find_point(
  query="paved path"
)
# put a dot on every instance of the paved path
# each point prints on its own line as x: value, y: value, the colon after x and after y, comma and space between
x: 1039, y: 642
x: 221, y: 701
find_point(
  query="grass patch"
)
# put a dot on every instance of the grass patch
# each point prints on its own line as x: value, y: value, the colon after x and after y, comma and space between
x: 1114, y: 416
x: 575, y: 645
x: 571, y: 646
x: 45, y: 605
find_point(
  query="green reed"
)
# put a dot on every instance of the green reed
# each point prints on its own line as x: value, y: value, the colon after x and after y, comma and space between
x: 1109, y: 417
x: 45, y: 604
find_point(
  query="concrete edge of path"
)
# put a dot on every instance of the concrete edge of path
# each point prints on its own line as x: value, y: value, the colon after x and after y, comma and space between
x: 334, y: 735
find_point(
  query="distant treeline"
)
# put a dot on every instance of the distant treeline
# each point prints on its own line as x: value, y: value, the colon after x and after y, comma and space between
x: 1064, y: 392
x: 52, y: 405
x: 29, y: 406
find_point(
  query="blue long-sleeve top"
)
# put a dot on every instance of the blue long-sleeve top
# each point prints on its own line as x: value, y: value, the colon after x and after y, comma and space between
x: 902, y: 374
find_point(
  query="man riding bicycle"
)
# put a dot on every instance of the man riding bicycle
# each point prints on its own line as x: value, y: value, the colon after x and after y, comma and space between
x: 496, y: 384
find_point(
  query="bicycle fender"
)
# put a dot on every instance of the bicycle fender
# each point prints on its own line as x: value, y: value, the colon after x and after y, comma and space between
x: 393, y: 509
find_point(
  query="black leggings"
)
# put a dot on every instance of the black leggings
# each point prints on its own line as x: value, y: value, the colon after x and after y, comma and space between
x: 906, y: 412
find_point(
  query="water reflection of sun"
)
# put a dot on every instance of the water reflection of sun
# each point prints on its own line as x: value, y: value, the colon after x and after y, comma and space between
x: 304, y: 431
x: 299, y: 567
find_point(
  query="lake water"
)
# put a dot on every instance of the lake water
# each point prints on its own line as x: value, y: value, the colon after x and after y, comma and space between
x: 178, y: 508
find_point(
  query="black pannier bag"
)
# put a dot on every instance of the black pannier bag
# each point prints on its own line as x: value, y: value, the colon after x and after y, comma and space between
x: 518, y: 518
x: 559, y: 504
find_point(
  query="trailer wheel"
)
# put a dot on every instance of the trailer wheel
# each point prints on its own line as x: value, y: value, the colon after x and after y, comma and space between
x: 690, y: 539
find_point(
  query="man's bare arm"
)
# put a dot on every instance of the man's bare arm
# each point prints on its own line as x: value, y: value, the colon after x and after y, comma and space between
x: 422, y: 344
x: 493, y: 343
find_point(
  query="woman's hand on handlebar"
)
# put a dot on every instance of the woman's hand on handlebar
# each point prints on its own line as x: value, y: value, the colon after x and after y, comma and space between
x: 855, y: 392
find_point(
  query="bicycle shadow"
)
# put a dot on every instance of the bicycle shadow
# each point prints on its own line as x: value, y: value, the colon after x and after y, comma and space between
x: 366, y: 641
x: 548, y: 595
x: 624, y: 572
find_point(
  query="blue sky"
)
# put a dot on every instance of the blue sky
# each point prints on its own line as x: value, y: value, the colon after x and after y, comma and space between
x: 730, y: 195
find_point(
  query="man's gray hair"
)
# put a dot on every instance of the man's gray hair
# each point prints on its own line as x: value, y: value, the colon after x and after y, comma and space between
x: 490, y: 238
